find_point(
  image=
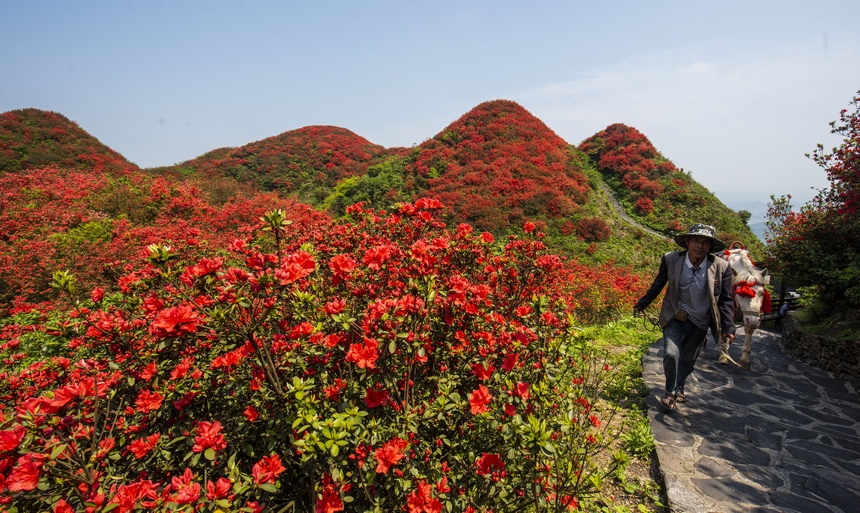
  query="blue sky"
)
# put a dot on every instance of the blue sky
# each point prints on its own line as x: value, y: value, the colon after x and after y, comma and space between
x: 735, y: 92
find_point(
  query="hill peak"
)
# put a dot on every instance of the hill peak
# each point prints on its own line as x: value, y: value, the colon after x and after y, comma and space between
x: 502, y: 118
x: 33, y: 138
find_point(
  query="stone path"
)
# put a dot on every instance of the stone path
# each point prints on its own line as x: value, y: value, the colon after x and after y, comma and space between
x: 782, y: 437
x: 622, y: 214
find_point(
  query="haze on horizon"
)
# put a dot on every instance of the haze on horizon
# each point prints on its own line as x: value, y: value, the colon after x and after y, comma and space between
x: 735, y: 93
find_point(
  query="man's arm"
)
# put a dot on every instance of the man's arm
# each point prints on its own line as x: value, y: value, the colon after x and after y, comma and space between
x: 654, y: 291
x: 726, y: 304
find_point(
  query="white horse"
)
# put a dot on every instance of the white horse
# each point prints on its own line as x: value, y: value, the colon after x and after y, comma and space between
x: 751, y: 298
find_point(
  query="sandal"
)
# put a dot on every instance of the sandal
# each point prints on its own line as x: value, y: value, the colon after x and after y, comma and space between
x: 668, y: 401
x: 680, y: 397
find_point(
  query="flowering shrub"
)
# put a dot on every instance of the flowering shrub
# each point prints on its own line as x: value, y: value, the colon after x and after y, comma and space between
x: 593, y: 229
x: 375, y: 363
x: 818, y: 245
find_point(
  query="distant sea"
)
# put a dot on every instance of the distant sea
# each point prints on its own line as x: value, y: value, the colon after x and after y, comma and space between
x: 756, y: 204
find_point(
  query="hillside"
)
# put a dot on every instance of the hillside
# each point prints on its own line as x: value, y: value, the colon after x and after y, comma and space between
x: 307, y: 162
x: 32, y: 138
x: 67, y: 196
x: 655, y: 192
x: 499, y: 166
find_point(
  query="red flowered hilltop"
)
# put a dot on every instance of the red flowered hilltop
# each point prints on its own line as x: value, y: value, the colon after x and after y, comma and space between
x: 315, y: 323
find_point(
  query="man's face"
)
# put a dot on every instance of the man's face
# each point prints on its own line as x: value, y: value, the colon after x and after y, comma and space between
x: 698, y: 246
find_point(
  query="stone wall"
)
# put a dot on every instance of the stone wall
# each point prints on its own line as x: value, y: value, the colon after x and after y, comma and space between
x: 842, y: 358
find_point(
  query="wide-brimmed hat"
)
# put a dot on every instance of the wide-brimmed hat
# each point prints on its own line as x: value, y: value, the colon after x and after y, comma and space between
x: 702, y: 230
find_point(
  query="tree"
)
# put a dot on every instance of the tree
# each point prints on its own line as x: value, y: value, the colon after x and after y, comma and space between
x: 818, y: 246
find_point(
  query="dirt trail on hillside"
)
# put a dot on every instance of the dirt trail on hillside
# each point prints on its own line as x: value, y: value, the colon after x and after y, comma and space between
x: 619, y: 211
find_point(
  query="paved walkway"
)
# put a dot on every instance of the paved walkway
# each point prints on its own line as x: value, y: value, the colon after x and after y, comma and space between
x: 781, y: 437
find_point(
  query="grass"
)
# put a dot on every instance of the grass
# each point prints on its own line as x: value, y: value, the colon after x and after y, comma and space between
x: 636, y: 486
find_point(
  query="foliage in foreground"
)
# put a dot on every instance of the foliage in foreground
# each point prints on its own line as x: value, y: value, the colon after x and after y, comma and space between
x: 382, y: 363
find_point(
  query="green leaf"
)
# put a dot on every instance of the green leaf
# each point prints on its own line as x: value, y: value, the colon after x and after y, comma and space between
x: 392, y: 347
x: 269, y: 487
x: 209, y: 453
x: 57, y: 450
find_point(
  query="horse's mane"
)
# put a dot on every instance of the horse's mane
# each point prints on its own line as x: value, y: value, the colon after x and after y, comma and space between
x: 743, y: 267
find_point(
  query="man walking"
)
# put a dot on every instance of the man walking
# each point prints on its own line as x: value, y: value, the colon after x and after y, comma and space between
x: 699, y: 298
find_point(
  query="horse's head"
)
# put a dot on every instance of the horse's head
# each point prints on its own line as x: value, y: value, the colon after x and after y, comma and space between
x: 743, y: 269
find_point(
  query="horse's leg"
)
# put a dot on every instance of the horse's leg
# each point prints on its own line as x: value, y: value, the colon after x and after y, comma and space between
x: 751, y: 323
x: 745, y: 352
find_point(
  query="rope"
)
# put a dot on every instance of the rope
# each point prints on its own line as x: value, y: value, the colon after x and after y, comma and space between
x: 649, y: 320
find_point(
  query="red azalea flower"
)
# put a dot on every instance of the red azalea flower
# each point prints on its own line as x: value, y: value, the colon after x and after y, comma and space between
x: 329, y: 502
x: 529, y: 227
x: 480, y: 399
x: 175, y: 321
x: 335, y: 306
x: 571, y: 502
x: 420, y: 501
x: 148, y: 401
x: 490, y: 464
x: 341, y: 265
x: 523, y: 310
x: 267, y: 469
x: 389, y: 454
x: 251, y: 414
x: 375, y: 257
x: 63, y: 507
x: 364, y: 355
x: 140, y: 447
x: 510, y: 362
x: 148, y: 372
x: 218, y: 490
x: 361, y: 453
x: 25, y: 475
x: 295, y: 267
x: 254, y: 507
x: 209, y: 435
x: 182, y: 368
x: 10, y: 439
x: 97, y: 294
x: 187, y: 491
x: 129, y: 496
x: 481, y: 372
x: 374, y: 398
x: 522, y: 391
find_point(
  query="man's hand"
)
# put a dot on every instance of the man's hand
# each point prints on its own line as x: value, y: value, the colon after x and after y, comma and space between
x: 729, y: 338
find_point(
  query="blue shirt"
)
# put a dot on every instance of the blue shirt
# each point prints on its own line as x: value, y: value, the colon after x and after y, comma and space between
x: 693, y: 293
